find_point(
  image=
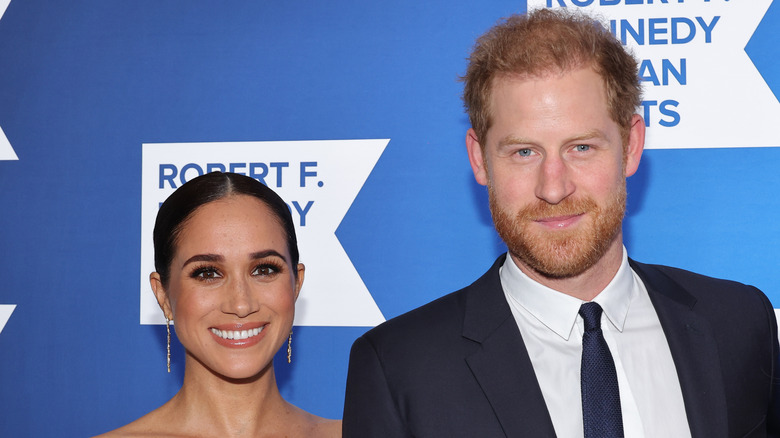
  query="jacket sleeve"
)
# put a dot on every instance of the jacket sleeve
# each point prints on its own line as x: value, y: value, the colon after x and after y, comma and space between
x: 773, y: 412
x: 369, y: 408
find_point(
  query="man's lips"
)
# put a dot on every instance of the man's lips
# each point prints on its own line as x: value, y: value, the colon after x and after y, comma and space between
x: 561, y: 221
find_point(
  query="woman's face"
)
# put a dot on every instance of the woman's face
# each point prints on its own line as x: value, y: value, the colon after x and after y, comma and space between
x: 232, y: 289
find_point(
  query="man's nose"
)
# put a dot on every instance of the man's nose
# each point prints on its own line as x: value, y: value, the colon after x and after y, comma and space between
x: 554, y: 182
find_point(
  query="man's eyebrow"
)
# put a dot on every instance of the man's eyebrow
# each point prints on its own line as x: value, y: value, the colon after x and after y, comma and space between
x: 514, y: 140
x: 511, y: 139
x: 594, y: 133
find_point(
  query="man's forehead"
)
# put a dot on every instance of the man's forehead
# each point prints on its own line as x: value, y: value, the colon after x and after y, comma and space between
x: 554, y: 72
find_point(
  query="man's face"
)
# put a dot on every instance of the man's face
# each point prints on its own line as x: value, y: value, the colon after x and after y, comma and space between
x: 555, y: 167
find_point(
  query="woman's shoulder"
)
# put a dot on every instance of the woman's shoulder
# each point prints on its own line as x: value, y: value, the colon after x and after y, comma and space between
x: 328, y: 428
x: 325, y: 428
x: 299, y: 423
x: 150, y: 425
x: 131, y: 430
x: 136, y: 430
x: 311, y: 425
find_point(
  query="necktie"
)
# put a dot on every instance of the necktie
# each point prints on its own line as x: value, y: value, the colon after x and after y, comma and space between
x: 600, y: 393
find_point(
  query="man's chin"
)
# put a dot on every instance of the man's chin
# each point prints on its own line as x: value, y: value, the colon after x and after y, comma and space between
x: 554, y: 267
x: 556, y: 254
x: 572, y: 245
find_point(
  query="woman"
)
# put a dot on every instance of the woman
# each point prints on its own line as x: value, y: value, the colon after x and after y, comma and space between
x: 227, y: 272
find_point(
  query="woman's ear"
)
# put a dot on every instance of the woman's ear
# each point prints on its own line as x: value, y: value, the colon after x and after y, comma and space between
x: 299, y: 280
x: 161, y: 295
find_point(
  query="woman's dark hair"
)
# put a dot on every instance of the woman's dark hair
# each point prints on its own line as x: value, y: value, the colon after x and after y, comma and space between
x: 180, y: 206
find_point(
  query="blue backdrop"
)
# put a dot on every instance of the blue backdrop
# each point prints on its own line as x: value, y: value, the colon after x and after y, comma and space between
x: 84, y: 84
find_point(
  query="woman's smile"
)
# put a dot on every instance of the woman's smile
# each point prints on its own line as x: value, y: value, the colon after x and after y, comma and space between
x: 246, y: 336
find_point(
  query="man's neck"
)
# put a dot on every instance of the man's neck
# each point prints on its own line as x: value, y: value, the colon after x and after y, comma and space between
x: 587, y: 285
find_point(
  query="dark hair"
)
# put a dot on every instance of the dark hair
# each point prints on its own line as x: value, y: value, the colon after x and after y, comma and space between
x: 549, y: 41
x: 180, y: 206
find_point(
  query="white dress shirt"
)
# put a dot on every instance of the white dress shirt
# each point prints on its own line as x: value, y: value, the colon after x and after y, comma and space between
x: 650, y: 395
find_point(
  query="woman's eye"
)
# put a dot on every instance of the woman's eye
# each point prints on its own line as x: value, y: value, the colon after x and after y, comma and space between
x: 265, y: 270
x: 206, y: 274
x: 582, y: 147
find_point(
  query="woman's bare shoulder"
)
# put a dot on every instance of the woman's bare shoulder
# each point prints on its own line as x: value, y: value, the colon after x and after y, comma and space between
x: 157, y: 424
x: 319, y: 427
x: 150, y: 425
x: 130, y: 430
x: 329, y: 428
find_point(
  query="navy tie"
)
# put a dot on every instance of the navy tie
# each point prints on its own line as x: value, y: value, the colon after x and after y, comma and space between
x: 600, y: 393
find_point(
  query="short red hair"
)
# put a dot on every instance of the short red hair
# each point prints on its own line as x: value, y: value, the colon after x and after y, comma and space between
x: 548, y: 41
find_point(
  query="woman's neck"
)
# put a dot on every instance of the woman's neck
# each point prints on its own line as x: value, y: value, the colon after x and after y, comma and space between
x: 213, y: 405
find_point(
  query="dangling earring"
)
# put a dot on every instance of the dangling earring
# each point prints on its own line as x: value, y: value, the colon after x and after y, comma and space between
x: 289, y: 348
x: 168, y: 327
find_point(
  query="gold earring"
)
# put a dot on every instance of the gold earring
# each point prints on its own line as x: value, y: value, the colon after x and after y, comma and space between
x: 168, y: 327
x: 289, y: 348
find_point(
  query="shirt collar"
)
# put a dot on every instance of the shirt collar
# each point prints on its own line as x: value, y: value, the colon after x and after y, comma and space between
x: 558, y: 311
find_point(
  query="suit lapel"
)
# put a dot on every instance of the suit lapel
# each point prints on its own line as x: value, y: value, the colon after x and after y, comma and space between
x: 505, y: 373
x: 502, y: 366
x: 694, y: 352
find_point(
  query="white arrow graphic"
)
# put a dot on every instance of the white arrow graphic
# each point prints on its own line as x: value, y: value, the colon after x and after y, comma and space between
x: 5, y: 312
x: 701, y: 88
x: 318, y: 179
x: 6, y: 151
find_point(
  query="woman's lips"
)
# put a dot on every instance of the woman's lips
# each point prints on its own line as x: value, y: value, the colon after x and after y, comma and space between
x: 238, y: 335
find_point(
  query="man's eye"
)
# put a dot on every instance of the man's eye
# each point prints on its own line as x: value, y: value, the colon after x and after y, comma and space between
x: 524, y: 152
x: 582, y: 147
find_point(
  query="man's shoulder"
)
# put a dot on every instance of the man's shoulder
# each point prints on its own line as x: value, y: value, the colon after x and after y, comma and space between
x: 443, y: 316
x: 688, y: 279
x: 444, y: 311
x: 701, y: 291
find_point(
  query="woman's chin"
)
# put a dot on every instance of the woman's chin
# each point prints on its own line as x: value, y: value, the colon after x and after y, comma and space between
x: 247, y: 373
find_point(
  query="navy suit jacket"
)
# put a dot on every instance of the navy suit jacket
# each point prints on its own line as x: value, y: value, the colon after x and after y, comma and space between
x: 458, y: 367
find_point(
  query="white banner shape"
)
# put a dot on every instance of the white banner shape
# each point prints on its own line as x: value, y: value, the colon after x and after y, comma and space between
x: 701, y: 88
x: 6, y: 151
x: 5, y: 314
x: 319, y: 180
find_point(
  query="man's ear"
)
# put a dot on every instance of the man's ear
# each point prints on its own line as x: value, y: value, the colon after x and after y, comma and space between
x: 161, y: 295
x: 299, y: 280
x: 636, y: 144
x: 476, y: 158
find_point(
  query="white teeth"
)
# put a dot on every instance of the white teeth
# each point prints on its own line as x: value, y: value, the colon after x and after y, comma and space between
x: 236, y: 334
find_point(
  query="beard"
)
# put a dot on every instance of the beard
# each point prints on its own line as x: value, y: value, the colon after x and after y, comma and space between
x: 560, y: 253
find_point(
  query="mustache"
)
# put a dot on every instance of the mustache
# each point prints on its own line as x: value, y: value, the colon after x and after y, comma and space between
x: 567, y: 207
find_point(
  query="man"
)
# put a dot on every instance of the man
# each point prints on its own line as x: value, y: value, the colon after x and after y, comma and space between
x: 566, y: 336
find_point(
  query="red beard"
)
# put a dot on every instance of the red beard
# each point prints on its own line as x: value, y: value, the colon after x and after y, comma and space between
x: 560, y: 253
